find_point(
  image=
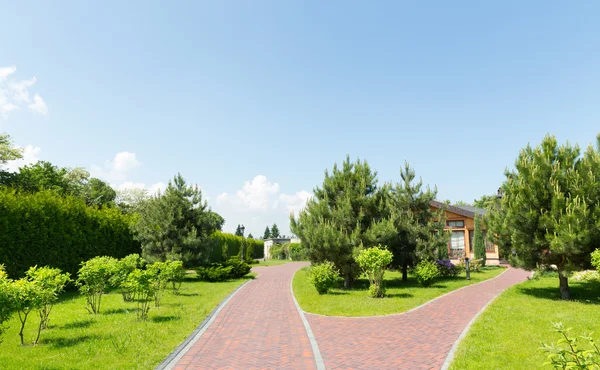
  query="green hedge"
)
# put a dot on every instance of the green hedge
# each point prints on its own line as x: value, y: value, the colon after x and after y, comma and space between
x: 47, y: 229
x: 225, y: 244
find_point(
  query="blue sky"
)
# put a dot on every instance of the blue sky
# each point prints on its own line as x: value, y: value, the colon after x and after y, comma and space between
x: 256, y: 99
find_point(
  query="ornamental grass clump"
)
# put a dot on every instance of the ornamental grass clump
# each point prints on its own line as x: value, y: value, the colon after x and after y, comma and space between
x: 426, y: 272
x: 373, y: 261
x: 323, y: 276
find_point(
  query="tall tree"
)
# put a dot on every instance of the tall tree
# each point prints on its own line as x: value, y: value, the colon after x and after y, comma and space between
x: 176, y: 224
x: 275, y: 231
x: 478, y: 240
x: 334, y: 221
x: 238, y: 231
x: 7, y: 151
x: 549, y: 212
x: 408, y: 227
x: 267, y: 233
x: 250, y: 236
x: 485, y: 202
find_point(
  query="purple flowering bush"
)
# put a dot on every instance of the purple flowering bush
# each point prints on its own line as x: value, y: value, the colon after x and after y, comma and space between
x: 447, y: 268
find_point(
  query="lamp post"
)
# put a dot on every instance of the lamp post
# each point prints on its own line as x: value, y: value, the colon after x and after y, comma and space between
x: 242, y: 228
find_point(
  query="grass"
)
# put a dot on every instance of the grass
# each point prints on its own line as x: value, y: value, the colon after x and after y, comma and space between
x: 272, y: 263
x: 400, y: 296
x: 510, y: 331
x: 113, y: 339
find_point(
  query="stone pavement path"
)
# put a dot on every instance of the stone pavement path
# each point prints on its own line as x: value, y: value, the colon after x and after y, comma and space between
x: 419, y: 339
x: 261, y: 328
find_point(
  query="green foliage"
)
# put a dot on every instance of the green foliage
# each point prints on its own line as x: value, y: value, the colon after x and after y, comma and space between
x: 176, y: 225
x: 567, y: 353
x: 589, y: 276
x: 478, y: 241
x: 550, y: 209
x: 27, y: 296
x: 426, y: 272
x: 225, y: 245
x: 51, y: 282
x: 238, y: 231
x: 373, y: 262
x: 7, y: 151
x: 335, y: 219
x: 94, y: 277
x: 297, y: 252
x: 486, y: 201
x: 323, y: 276
x: 238, y: 268
x: 275, y: 231
x: 6, y: 300
x: 214, y: 273
x: 596, y: 259
x: 447, y: 268
x: 174, y: 273
x: 279, y: 251
x: 475, y: 265
x: 143, y: 283
x: 123, y: 268
x: 267, y: 233
x: 45, y: 229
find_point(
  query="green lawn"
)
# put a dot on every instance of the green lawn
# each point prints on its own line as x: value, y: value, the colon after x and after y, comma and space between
x: 508, y: 334
x: 113, y: 339
x: 400, y: 297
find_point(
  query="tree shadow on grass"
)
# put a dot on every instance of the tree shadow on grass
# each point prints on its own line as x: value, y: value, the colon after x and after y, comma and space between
x: 164, y: 318
x: 398, y: 295
x: 187, y: 294
x: 62, y: 342
x: 116, y: 311
x: 584, y: 292
x: 338, y: 292
x: 78, y: 324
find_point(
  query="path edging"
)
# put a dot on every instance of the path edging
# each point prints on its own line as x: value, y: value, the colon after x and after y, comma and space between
x: 311, y: 337
x: 415, y: 308
x: 176, y: 355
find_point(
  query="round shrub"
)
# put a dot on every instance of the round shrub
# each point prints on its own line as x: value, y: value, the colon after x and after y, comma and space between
x: 447, y: 268
x: 426, y: 272
x: 373, y: 262
x: 323, y: 276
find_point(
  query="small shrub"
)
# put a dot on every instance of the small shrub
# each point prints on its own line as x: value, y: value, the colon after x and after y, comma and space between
x: 94, y: 277
x: 426, y: 272
x: 596, y: 259
x: 238, y: 268
x: 6, y: 299
x: 589, y: 276
x: 175, y: 274
x: 123, y: 268
x: 27, y: 296
x: 567, y: 353
x: 51, y: 282
x: 373, y: 262
x: 447, y: 268
x: 323, y: 276
x: 144, y: 285
x: 214, y: 273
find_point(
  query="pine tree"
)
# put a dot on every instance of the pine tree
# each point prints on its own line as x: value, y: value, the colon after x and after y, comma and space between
x: 274, y: 231
x: 238, y: 231
x: 267, y: 233
x: 250, y: 236
x: 478, y: 241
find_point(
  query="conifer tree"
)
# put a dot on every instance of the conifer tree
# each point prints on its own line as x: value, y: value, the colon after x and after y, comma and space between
x: 478, y: 241
x: 267, y: 233
x: 274, y: 231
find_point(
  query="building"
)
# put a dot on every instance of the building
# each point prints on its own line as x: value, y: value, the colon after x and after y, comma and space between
x: 460, y: 220
x: 269, y: 243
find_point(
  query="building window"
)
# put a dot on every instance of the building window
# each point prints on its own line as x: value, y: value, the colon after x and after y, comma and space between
x: 457, y: 244
x: 459, y: 224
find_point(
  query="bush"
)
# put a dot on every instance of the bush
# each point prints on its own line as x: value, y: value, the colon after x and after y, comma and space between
x: 214, y: 273
x: 373, y: 262
x: 45, y: 229
x: 94, y: 277
x: 568, y: 354
x: 589, y: 276
x: 447, y: 268
x: 143, y: 283
x: 27, y: 296
x: 596, y: 259
x: 278, y: 252
x: 123, y: 268
x: 323, y: 276
x: 51, y: 282
x: 426, y: 272
x: 298, y: 252
x: 474, y: 265
x: 238, y: 268
x: 6, y: 299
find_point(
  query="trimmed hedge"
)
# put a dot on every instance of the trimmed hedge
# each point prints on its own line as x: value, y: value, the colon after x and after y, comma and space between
x: 47, y: 229
x: 225, y: 245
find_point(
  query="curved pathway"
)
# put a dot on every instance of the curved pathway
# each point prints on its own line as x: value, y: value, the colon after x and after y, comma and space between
x: 261, y: 328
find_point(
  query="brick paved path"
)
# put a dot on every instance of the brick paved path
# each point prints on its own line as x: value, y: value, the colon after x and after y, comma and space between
x: 259, y: 328
x: 420, y: 339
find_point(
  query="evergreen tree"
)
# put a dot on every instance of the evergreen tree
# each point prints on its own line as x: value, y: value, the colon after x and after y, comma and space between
x: 267, y: 233
x: 334, y: 221
x: 478, y: 240
x: 274, y: 231
x: 549, y: 212
x: 485, y: 202
x: 176, y: 225
x: 250, y: 236
x: 238, y: 231
x: 408, y: 227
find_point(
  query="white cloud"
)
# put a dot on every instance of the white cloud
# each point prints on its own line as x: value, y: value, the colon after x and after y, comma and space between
x: 30, y: 156
x: 39, y: 105
x: 117, y: 169
x: 259, y: 203
x: 14, y: 94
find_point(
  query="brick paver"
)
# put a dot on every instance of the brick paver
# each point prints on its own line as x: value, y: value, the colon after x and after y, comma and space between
x: 259, y: 328
x: 420, y: 339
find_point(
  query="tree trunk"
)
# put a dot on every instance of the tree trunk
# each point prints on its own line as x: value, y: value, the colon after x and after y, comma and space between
x: 565, y: 292
x: 404, y: 271
x: 347, y: 279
